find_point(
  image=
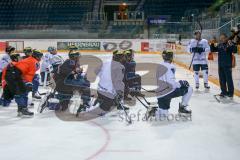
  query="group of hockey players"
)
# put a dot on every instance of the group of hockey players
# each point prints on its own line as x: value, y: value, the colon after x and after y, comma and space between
x: 117, y: 78
x: 19, y: 76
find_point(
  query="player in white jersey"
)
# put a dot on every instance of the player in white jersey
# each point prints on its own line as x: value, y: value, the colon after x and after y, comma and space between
x: 5, y: 60
x: 169, y: 88
x: 199, y: 48
x: 50, y: 61
x: 111, y: 85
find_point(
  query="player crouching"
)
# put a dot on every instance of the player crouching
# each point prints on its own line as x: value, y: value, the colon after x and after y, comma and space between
x: 132, y: 80
x: 111, y: 85
x: 169, y: 88
x: 69, y: 78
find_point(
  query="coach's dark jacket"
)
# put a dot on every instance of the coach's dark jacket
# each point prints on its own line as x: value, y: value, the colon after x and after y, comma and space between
x: 224, y: 53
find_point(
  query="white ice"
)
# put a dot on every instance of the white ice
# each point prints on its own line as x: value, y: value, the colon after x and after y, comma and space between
x: 212, y: 134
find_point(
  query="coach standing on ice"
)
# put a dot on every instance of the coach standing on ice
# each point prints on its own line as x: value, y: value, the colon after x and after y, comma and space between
x: 199, y: 48
x: 225, y: 50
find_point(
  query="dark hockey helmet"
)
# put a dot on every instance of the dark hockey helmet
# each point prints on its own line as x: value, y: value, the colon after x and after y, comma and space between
x: 10, y: 49
x: 15, y: 57
x: 129, y: 54
x: 27, y: 51
x: 197, y: 32
x: 37, y: 54
x: 167, y: 55
x: 119, y: 56
x: 52, y: 49
x: 74, y: 54
x: 73, y: 48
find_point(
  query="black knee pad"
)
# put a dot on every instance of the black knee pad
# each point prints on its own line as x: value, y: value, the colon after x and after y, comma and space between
x: 106, y: 104
x: 164, y: 103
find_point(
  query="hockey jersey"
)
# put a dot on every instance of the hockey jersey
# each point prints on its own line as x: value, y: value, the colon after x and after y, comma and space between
x: 166, y: 80
x: 5, y: 60
x: 28, y: 68
x: 199, y: 57
x: 46, y: 62
x: 111, y: 75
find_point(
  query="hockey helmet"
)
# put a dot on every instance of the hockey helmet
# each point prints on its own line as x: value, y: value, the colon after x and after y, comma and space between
x: 129, y: 54
x: 167, y: 55
x: 27, y: 51
x: 74, y: 54
x: 52, y: 49
x: 119, y: 56
x: 10, y: 49
x: 73, y: 48
x: 37, y: 54
x: 15, y: 57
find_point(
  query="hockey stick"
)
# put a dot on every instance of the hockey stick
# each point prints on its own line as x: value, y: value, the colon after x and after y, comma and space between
x: 154, y: 91
x: 150, y: 91
x: 45, y: 103
x: 128, y: 119
x: 41, y: 94
x: 191, y: 61
x: 201, y: 28
x: 142, y: 103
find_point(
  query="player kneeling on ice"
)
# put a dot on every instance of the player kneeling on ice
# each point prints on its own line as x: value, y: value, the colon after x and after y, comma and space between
x: 169, y: 88
x: 132, y: 80
x: 19, y: 78
x: 111, y: 85
x: 69, y: 77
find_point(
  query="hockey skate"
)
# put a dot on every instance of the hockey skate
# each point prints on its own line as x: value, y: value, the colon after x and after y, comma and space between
x: 36, y: 96
x: 151, y: 112
x: 82, y: 108
x: 197, y: 86
x: 206, y: 86
x: 24, y: 112
x: 183, y: 111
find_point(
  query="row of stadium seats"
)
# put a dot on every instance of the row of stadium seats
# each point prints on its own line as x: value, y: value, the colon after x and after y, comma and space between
x: 41, y: 12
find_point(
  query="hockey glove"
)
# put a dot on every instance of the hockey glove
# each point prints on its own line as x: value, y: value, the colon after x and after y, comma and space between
x: 184, y: 83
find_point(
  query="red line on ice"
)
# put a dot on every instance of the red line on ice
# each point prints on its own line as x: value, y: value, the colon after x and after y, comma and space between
x: 103, y: 148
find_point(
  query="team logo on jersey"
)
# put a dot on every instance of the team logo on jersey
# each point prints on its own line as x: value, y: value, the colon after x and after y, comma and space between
x: 173, y: 70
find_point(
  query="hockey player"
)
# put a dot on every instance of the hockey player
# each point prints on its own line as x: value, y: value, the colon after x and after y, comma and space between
x: 35, y: 95
x: 19, y: 78
x: 46, y: 66
x: 132, y: 80
x: 5, y: 60
x: 28, y: 52
x: 169, y: 88
x: 199, y: 48
x: 7, y: 95
x: 69, y: 78
x: 111, y: 85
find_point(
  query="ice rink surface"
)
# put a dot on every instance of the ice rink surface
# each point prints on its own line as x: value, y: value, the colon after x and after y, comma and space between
x: 211, y: 134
